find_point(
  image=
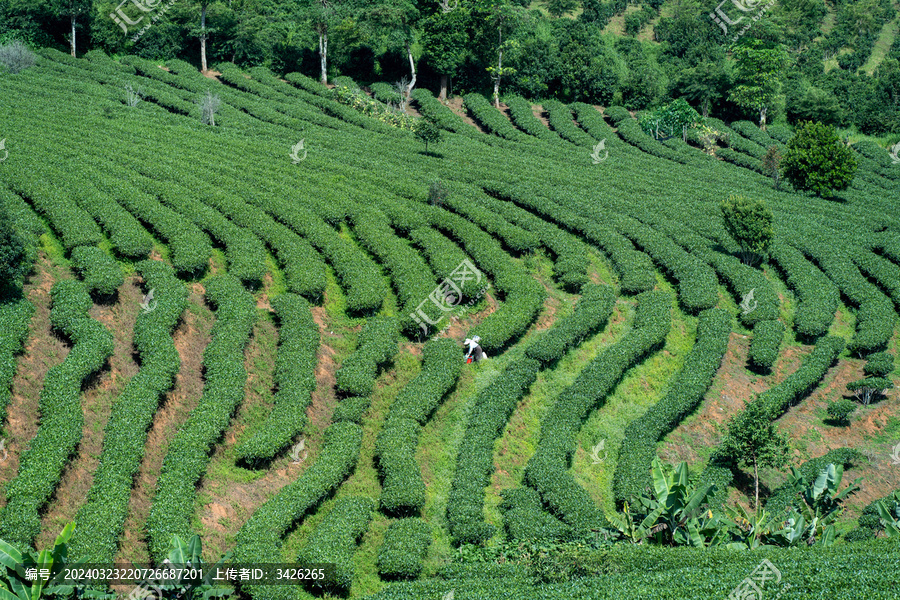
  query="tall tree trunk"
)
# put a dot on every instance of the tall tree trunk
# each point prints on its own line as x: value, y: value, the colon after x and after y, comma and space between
x: 705, y: 108
x: 499, y: 67
x: 762, y: 118
x: 444, y: 86
x: 203, y: 37
x: 323, y: 54
x: 412, y: 68
x: 756, y: 485
x: 72, y: 39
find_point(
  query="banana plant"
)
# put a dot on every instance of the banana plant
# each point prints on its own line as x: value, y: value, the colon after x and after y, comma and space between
x: 187, y: 554
x: 673, y: 513
x: 891, y: 519
x: 14, y: 565
x: 822, y: 503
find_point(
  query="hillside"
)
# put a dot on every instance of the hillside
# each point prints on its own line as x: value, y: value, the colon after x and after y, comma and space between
x: 220, y: 336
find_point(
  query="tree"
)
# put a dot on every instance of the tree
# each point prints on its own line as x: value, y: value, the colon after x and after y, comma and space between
x: 397, y: 19
x: 321, y: 14
x: 749, y: 223
x: 13, y: 264
x: 840, y: 411
x: 822, y: 503
x: 672, y: 119
x: 817, y: 160
x: 71, y: 9
x: 428, y: 132
x: 209, y: 105
x: 752, y: 440
x: 446, y: 41
x: 772, y: 164
x: 501, y: 14
x: 703, y: 84
x: 870, y: 387
x: 558, y: 8
x: 758, y: 77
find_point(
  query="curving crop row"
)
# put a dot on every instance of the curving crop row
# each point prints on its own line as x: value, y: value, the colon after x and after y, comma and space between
x: 295, y: 368
x: 333, y: 542
x: 756, y: 135
x: 190, y: 248
x: 386, y: 93
x: 523, y: 296
x: 188, y: 453
x: 259, y: 538
x: 738, y: 142
x: 522, y: 115
x: 101, y: 518
x: 465, y: 202
x: 739, y: 159
x: 767, y: 336
x: 42, y: 463
x: 492, y: 409
x: 127, y: 235
x: 696, y: 280
x: 885, y: 273
x: 444, y: 257
x: 309, y: 84
x: 591, y: 313
x: 590, y: 119
x: 432, y: 109
x: 333, y: 107
x: 685, y: 393
x: 101, y: 274
x: 73, y: 224
x: 818, y: 297
x: 875, y: 314
x: 245, y: 253
x: 359, y: 275
x: 403, y: 491
x: 490, y: 118
x: 634, y: 268
x: 411, y: 276
x: 15, y: 317
x: 524, y: 517
x: 571, y: 254
x: 376, y: 346
x: 405, y: 544
x: 547, y: 470
x: 475, y: 456
x: 782, y: 133
x: 560, y: 118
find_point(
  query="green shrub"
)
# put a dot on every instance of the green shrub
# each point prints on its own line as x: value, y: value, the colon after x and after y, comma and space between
x: 351, y: 409
x: 490, y: 118
x: 767, y: 336
x: 295, y: 367
x: 879, y: 364
x: 15, y: 318
x: 101, y: 518
x: 334, y: 541
x: 524, y: 517
x: 101, y: 274
x: 523, y: 117
x: 632, y: 475
x: 840, y: 411
x: 62, y: 420
x: 560, y: 119
x: 405, y: 543
x: 188, y: 453
x: 376, y: 346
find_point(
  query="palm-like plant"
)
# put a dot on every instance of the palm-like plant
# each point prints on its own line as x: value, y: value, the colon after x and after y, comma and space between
x: 15, y: 583
x: 673, y: 513
x: 822, y: 503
